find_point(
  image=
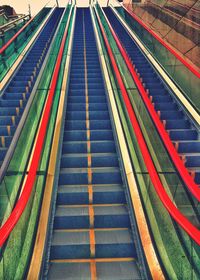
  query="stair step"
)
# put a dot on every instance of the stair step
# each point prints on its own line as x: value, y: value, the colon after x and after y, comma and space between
x: 183, y: 134
x: 178, y: 124
x: 78, y: 124
x: 105, y: 269
x: 73, y: 194
x: 94, y: 135
x: 165, y: 106
x: 189, y: 146
x: 192, y: 160
x: 77, y: 160
x: 76, y: 244
x: 77, y: 217
x: 99, y: 176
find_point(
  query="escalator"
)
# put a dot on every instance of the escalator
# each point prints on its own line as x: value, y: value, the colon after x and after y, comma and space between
x: 178, y: 199
x: 91, y: 230
x: 181, y: 129
x: 16, y: 94
x: 92, y: 236
x: 182, y: 199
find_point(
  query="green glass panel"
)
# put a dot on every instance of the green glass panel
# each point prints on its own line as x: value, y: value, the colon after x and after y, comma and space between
x: 17, y: 46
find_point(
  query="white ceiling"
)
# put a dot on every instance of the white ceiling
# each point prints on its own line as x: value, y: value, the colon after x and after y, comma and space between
x: 21, y: 6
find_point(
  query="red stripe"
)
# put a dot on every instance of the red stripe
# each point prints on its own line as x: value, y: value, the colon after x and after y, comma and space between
x: 167, y: 46
x: 23, y: 200
x: 188, y: 180
x: 169, y: 205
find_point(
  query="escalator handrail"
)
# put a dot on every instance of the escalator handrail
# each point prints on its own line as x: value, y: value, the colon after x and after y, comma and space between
x: 3, y: 28
x: 165, y: 44
x: 3, y: 49
x: 10, y: 223
x: 192, y: 231
x: 177, y: 161
x: 16, y: 35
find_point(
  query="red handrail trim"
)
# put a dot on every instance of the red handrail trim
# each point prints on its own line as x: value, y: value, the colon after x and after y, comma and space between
x: 8, y: 226
x: 192, y: 231
x: 166, y: 45
x: 183, y: 171
x: 16, y: 35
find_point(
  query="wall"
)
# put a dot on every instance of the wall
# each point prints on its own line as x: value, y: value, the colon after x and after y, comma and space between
x: 176, y: 21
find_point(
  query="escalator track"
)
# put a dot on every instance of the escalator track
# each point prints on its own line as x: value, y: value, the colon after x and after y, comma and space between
x: 92, y: 233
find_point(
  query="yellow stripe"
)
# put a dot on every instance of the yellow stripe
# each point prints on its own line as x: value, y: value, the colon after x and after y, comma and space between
x: 92, y: 243
x: 13, y: 120
x: 176, y: 145
x: 87, y: 115
x: 21, y: 103
x: 89, y: 160
x: 90, y: 193
x: 24, y: 96
x: 90, y: 190
x: 3, y: 141
x: 87, y: 230
x: 17, y: 111
x: 86, y: 205
x: 86, y: 185
x: 164, y: 123
x: 88, y: 146
x: 99, y: 260
x: 91, y: 215
x: 34, y: 71
x: 87, y: 124
x: 88, y: 135
x: 93, y: 270
x: 89, y: 175
x: 8, y: 129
